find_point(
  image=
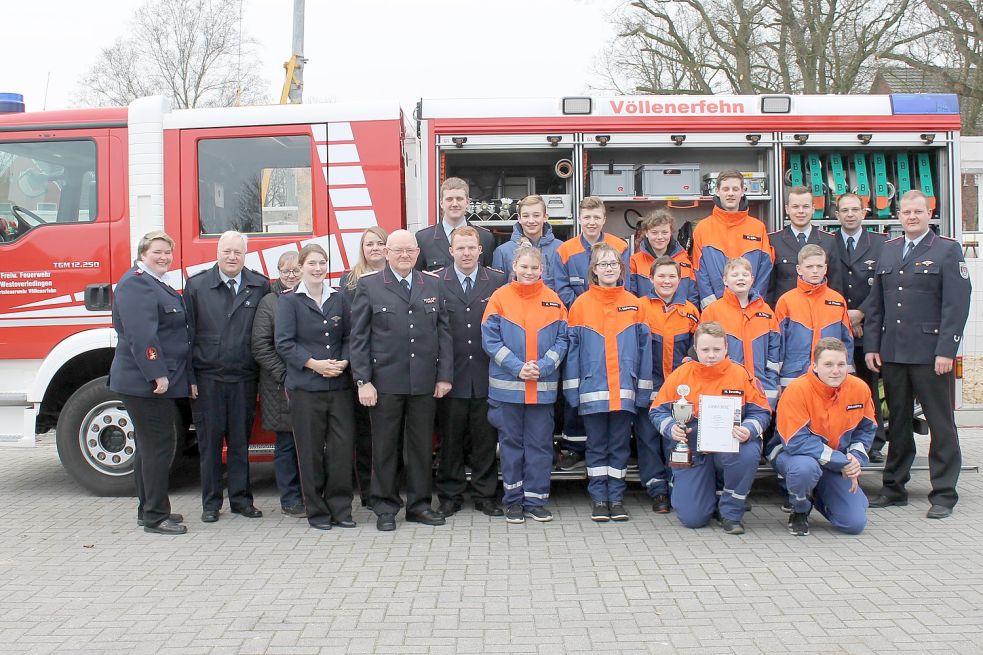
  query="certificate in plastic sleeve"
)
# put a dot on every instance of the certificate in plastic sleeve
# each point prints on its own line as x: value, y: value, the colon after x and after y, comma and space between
x: 715, y: 427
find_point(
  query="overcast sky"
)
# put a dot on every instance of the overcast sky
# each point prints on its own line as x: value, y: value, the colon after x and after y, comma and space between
x: 360, y: 50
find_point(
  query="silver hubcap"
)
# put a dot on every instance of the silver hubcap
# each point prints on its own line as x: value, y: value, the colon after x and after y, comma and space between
x: 107, y: 439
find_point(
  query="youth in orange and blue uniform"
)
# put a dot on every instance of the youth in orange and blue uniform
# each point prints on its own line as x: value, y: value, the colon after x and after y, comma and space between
x: 816, y: 427
x: 805, y: 315
x: 753, y: 337
x: 720, y: 237
x: 521, y: 323
x: 608, y: 373
x: 569, y: 267
x: 640, y: 264
x: 671, y: 325
x: 694, y: 489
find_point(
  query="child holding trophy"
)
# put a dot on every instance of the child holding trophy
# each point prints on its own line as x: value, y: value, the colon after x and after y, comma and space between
x: 671, y: 319
x: 717, y: 409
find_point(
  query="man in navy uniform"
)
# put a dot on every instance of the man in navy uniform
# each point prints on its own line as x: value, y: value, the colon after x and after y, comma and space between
x: 462, y: 415
x: 915, y: 316
x: 856, y: 253
x: 435, y: 241
x: 787, y: 242
x: 402, y: 362
x: 222, y: 302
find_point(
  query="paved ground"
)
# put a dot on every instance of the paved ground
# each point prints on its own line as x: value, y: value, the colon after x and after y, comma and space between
x: 77, y: 576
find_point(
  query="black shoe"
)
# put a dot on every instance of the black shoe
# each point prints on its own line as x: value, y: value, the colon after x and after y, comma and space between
x: 876, y: 457
x: 731, y: 527
x: 798, y: 524
x: 570, y: 460
x: 177, y: 518
x: 448, y: 507
x: 618, y: 512
x: 883, y: 500
x: 660, y: 504
x: 787, y: 506
x: 488, y: 507
x: 513, y: 514
x: 426, y: 517
x: 321, y: 524
x: 297, y: 511
x: 344, y: 523
x: 167, y: 526
x: 540, y: 514
x: 385, y: 523
x: 250, y: 512
x: 939, y: 512
x: 600, y: 513
x: 209, y: 516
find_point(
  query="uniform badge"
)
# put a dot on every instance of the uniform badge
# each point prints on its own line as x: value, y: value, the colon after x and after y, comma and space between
x: 628, y: 308
x: 430, y: 301
x: 682, y: 389
x: 762, y: 314
x: 927, y: 262
x: 870, y: 282
x: 855, y: 406
x: 750, y: 237
x: 870, y: 262
x: 151, y: 353
x: 247, y: 303
x: 732, y: 392
x: 963, y: 271
x: 336, y: 320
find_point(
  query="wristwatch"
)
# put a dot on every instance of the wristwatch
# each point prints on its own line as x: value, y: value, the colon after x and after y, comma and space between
x: 360, y: 383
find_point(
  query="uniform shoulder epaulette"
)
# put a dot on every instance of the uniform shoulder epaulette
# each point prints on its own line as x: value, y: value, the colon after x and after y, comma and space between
x: 947, y: 238
x: 822, y: 231
x: 431, y: 274
x: 139, y: 271
x: 199, y: 273
x: 368, y: 273
x: 771, y: 234
x: 883, y: 234
x: 893, y: 240
x: 497, y: 270
x: 437, y: 270
x: 480, y: 228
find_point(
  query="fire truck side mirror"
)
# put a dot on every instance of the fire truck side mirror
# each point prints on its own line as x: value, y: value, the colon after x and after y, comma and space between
x: 99, y: 297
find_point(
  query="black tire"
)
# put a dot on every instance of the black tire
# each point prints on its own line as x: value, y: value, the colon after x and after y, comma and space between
x: 102, y: 460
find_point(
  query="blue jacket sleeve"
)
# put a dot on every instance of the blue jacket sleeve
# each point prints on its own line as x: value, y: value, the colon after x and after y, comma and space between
x: 561, y: 281
x: 494, y: 345
x: 571, y: 372
x: 643, y: 394
x: 805, y: 442
x: 762, y: 273
x: 756, y: 419
x: 137, y: 310
x: 550, y: 362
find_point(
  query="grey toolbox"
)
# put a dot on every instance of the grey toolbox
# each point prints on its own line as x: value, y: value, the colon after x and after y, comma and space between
x: 612, y: 179
x: 667, y: 179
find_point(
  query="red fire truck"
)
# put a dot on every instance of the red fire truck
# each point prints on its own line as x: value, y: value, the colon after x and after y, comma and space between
x: 79, y: 187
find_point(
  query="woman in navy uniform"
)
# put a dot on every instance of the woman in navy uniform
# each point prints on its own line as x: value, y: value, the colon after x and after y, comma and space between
x: 371, y: 258
x: 150, y: 371
x: 312, y: 327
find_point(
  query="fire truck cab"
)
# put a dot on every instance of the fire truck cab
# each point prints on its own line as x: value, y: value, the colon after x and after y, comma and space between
x: 77, y: 190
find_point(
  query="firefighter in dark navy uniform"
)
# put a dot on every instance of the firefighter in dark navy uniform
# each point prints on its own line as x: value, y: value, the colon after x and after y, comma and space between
x: 222, y: 302
x: 402, y: 363
x: 915, y: 316
x: 150, y: 371
x: 435, y: 241
x: 787, y: 242
x: 856, y: 251
x: 462, y: 416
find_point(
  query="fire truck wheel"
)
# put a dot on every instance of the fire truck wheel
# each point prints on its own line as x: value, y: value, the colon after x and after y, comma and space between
x: 95, y: 440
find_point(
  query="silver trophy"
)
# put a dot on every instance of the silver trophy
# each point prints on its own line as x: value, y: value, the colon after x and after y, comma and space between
x: 682, y: 412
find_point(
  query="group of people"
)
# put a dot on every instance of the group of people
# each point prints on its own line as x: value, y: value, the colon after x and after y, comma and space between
x: 425, y: 335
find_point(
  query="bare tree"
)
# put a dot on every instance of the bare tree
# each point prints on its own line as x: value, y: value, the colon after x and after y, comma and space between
x: 749, y: 46
x: 949, y: 47
x: 190, y: 50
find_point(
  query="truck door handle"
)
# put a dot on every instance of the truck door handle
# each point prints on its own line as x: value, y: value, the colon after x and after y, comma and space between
x: 99, y: 297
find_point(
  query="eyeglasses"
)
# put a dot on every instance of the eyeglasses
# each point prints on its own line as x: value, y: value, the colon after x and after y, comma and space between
x: 399, y: 252
x: 287, y: 272
x: 607, y: 265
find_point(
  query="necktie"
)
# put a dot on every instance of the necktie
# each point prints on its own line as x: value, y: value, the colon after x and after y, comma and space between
x: 467, y: 287
x: 801, y: 238
x: 230, y: 298
x: 406, y: 286
x: 849, y: 247
x: 907, y: 252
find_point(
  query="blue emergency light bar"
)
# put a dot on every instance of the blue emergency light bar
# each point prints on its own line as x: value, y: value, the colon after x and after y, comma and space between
x: 904, y: 104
